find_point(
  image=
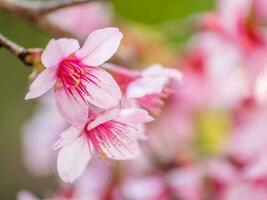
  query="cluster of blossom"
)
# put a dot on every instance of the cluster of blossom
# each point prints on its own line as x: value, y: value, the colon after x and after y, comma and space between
x: 209, y: 141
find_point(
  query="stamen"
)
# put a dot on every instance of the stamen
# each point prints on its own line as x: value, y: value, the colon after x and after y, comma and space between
x: 74, y: 76
x: 111, y: 134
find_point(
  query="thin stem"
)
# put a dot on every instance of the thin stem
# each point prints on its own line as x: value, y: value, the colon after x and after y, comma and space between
x: 27, y: 56
x: 35, y: 12
x: 11, y: 46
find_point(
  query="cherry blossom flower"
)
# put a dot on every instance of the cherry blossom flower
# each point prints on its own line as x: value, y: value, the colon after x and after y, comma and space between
x: 147, y: 87
x: 109, y: 134
x: 74, y: 74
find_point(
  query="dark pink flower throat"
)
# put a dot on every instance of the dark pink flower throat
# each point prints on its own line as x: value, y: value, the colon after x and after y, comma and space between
x: 110, y: 135
x: 75, y: 76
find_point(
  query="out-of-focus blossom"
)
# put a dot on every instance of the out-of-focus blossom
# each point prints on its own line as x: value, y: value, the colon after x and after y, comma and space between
x: 110, y: 133
x: 219, y: 66
x: 152, y: 86
x: 260, y: 7
x: 72, y: 71
x: 237, y: 21
x: 82, y: 19
x: 248, y: 141
x: 261, y: 87
x: 39, y: 135
x: 245, y: 191
x: 82, y: 188
x: 144, y: 188
x: 186, y: 183
x: 146, y: 87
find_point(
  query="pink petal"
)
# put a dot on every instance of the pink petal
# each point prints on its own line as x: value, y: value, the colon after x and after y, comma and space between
x: 73, y: 110
x: 146, y: 86
x: 67, y: 137
x: 157, y: 70
x: 56, y: 50
x: 44, y: 81
x: 105, y: 93
x: 103, y: 117
x: 261, y: 87
x: 134, y: 116
x: 129, y: 148
x: 257, y: 170
x: 140, y: 132
x: 122, y: 75
x: 100, y: 46
x: 73, y: 159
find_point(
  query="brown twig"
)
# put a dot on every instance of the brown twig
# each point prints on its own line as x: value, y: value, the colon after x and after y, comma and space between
x: 27, y: 56
x: 35, y: 12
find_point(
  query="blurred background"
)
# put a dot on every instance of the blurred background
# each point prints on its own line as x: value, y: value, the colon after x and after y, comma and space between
x: 167, y: 26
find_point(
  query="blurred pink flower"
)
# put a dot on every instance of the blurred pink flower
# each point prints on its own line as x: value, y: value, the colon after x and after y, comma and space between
x: 238, y: 22
x: 39, y: 135
x: 83, y: 188
x: 221, y: 60
x: 144, y: 188
x: 261, y: 86
x: 82, y: 19
x: 152, y: 86
x: 249, y: 139
x: 148, y: 87
x: 260, y: 7
x: 110, y: 133
x: 72, y: 71
x: 186, y: 183
x: 245, y: 191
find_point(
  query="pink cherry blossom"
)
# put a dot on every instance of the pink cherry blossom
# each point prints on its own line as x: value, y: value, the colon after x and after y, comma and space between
x: 74, y: 74
x: 110, y: 134
x: 147, y: 87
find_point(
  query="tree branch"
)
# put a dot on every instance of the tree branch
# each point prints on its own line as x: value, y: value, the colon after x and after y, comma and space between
x: 27, y: 56
x: 36, y: 7
x: 35, y: 12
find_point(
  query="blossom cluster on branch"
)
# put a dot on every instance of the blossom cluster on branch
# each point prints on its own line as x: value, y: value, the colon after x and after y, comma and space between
x: 196, y: 131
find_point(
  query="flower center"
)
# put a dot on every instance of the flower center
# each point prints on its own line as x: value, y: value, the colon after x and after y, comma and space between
x: 74, y: 76
x: 110, y: 136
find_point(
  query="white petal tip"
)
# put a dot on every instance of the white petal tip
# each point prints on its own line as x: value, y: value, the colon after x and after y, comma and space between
x: 28, y: 96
